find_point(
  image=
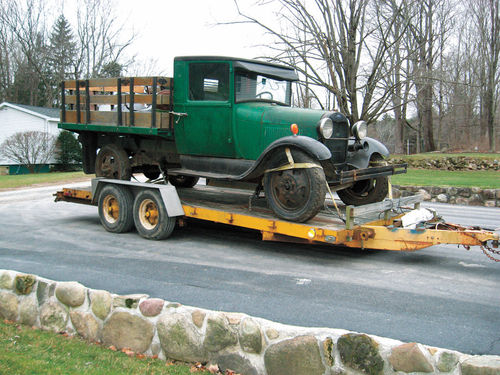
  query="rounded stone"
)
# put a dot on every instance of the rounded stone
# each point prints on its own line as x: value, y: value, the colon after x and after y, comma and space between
x: 125, y: 330
x: 297, y: 356
x: 360, y: 352
x: 425, y: 194
x: 6, y: 281
x: 24, y: 284
x: 28, y: 311
x: 409, y: 358
x: 85, y: 324
x: 53, y: 316
x: 481, y: 365
x: 475, y: 200
x: 100, y: 302
x: 447, y: 362
x: 198, y: 317
x: 272, y: 334
x: 179, y: 338
x: 70, y: 293
x: 250, y: 336
x: 489, y: 203
x: 219, y: 334
x: 8, y: 306
x: 443, y: 198
x: 151, y: 307
x: 237, y: 363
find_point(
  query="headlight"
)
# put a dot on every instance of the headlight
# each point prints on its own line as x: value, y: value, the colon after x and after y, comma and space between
x: 359, y: 129
x: 325, y: 128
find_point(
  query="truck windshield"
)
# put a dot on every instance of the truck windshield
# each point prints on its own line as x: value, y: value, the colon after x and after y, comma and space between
x: 255, y: 87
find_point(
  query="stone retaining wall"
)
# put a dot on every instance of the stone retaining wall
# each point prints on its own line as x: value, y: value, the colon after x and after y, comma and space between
x: 239, y: 342
x: 463, y: 196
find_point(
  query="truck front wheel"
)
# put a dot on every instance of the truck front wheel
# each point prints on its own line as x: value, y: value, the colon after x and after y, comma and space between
x: 115, y: 208
x: 366, y: 191
x: 112, y: 162
x: 295, y: 194
x: 150, y: 216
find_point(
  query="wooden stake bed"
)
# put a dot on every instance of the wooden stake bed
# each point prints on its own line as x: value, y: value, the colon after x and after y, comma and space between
x: 375, y: 226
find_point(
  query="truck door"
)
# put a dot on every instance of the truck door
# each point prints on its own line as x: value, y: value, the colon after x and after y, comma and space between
x: 207, y: 128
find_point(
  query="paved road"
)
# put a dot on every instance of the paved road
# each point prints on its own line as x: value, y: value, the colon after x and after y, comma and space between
x: 442, y: 296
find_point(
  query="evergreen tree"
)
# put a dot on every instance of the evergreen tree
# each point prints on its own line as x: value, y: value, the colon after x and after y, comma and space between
x: 62, y: 51
x: 69, y: 151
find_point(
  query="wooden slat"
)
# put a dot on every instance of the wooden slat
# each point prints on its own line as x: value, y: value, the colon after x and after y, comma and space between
x: 141, y: 119
x: 113, y: 99
x: 110, y: 84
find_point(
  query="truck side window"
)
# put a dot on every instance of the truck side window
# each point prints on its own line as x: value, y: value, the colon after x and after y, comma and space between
x: 209, y: 81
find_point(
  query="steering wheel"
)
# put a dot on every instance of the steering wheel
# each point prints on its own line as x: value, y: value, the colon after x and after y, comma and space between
x: 265, y: 92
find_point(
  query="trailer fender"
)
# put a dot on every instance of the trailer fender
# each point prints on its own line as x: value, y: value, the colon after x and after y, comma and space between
x: 168, y: 193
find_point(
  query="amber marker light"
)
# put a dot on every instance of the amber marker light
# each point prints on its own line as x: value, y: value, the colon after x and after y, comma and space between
x: 295, y: 129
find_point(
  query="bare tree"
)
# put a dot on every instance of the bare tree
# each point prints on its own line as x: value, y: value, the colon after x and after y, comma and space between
x: 29, y: 148
x: 102, y: 39
x: 487, y: 20
x: 338, y: 36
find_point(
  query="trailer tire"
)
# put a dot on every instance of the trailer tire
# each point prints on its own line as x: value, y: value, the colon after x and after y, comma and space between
x: 115, y: 208
x: 182, y: 181
x: 295, y: 194
x: 150, y: 216
x: 112, y: 162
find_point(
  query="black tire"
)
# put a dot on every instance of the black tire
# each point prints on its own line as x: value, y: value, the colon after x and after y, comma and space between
x: 295, y: 194
x: 115, y: 208
x: 181, y: 181
x: 151, y: 172
x: 366, y: 191
x: 112, y: 162
x: 150, y: 216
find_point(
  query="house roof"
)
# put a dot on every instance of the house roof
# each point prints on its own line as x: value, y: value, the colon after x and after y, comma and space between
x: 45, y: 113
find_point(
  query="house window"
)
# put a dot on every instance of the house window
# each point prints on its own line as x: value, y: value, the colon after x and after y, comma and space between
x: 209, y: 81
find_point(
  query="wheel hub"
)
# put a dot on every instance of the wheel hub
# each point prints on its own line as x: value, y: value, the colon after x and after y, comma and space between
x: 291, y: 188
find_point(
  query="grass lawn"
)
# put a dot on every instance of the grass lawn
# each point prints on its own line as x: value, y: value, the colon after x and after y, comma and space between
x: 27, y: 351
x: 16, y: 181
x: 429, y: 177
x: 438, y: 155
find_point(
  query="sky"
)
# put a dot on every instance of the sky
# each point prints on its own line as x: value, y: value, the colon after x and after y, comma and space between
x: 172, y: 28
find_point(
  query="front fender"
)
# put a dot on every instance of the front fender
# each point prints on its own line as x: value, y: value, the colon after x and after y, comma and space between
x: 360, y: 159
x: 314, y: 148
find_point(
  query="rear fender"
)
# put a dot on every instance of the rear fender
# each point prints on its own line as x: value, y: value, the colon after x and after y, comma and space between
x: 360, y: 159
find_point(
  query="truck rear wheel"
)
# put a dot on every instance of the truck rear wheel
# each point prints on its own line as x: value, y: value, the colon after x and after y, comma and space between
x: 150, y: 216
x: 115, y: 208
x: 112, y: 162
x: 295, y: 194
x: 182, y: 181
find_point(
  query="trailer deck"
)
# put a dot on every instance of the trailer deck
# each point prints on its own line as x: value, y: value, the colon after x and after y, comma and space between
x: 374, y: 226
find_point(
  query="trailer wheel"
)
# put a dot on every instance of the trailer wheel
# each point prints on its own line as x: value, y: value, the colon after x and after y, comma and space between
x: 182, y: 181
x: 295, y: 194
x: 366, y: 191
x: 112, y: 162
x: 115, y: 208
x: 150, y: 216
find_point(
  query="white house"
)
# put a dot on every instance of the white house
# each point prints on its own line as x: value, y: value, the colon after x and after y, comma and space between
x: 16, y: 118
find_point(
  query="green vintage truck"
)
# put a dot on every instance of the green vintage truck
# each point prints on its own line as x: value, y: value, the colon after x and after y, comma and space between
x: 226, y: 119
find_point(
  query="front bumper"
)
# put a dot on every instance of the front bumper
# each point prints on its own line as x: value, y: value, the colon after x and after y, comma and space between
x: 345, y: 177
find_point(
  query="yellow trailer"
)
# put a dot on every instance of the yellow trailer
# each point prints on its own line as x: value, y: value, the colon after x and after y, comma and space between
x: 154, y: 209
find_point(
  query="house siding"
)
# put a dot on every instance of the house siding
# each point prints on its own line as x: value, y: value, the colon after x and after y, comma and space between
x: 13, y: 121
